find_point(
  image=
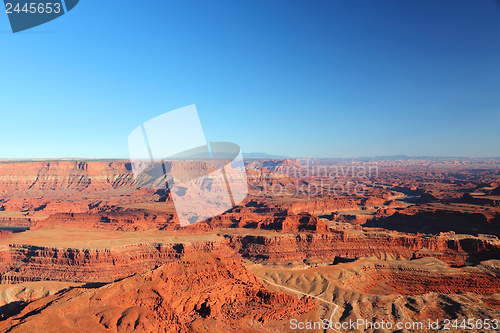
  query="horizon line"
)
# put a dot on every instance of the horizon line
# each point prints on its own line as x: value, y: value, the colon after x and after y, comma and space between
x: 270, y: 157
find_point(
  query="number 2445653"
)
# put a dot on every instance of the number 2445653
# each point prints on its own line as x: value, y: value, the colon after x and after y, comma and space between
x: 34, y: 8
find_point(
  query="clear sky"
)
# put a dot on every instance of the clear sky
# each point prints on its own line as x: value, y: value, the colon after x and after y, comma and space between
x: 309, y: 78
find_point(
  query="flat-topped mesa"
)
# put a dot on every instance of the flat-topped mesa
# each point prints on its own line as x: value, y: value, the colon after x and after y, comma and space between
x: 123, y: 220
x: 320, y: 206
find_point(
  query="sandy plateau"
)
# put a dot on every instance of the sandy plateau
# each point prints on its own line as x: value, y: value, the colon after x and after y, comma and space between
x: 86, y: 248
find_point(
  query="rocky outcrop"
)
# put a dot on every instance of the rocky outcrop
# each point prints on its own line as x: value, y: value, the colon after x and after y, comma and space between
x: 303, y: 222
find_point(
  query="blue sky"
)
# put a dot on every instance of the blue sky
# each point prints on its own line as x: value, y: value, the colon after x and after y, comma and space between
x: 320, y: 78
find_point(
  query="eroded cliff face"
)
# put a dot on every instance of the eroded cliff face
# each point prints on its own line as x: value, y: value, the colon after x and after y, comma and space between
x: 196, y: 294
x: 455, y: 251
x: 19, y: 262
x: 412, y: 279
x: 60, y: 175
x: 33, y: 191
x: 23, y: 263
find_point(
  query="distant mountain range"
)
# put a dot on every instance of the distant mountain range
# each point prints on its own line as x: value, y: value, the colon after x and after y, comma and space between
x: 405, y: 157
x: 367, y: 158
x: 264, y: 156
